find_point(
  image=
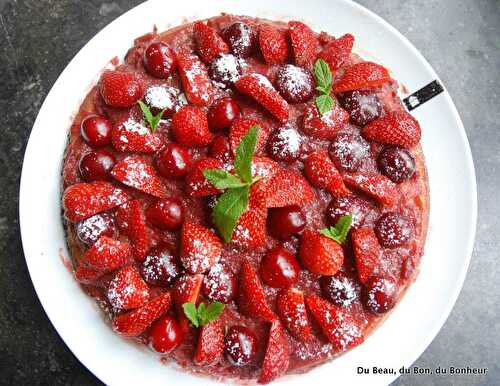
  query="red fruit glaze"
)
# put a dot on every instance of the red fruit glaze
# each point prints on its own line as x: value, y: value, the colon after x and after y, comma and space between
x: 174, y: 161
x: 166, y: 213
x: 159, y: 60
x: 96, y: 165
x: 279, y: 268
x: 165, y: 335
x: 96, y: 130
x: 240, y: 345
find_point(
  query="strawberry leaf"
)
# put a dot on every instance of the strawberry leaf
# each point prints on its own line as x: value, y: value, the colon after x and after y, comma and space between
x: 338, y: 232
x: 244, y: 154
x: 152, y: 120
x: 191, y: 313
x: 230, y: 206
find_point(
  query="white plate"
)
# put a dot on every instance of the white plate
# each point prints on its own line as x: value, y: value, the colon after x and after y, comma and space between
x: 412, y: 325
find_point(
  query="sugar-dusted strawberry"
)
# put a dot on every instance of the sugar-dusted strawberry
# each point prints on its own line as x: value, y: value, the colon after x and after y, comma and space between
x: 398, y: 128
x: 186, y: 290
x: 120, y: 88
x: 190, y: 127
x: 127, y: 290
x: 240, y: 128
x: 134, y: 323
x: 138, y: 173
x: 87, y: 275
x: 321, y: 172
x: 131, y: 219
x: 210, y: 346
x: 196, y: 183
x: 367, y: 252
x: 200, y: 248
x: 264, y: 167
x: 277, y: 356
x: 286, y: 188
x: 273, y: 44
x: 304, y: 43
x: 324, y: 126
x: 208, y: 42
x: 336, y: 53
x: 320, y: 254
x: 260, y: 88
x: 83, y: 200
x: 195, y: 80
x: 337, y: 324
x: 132, y: 135
x: 292, y: 311
x: 107, y: 254
x: 252, y: 298
x: 362, y: 75
x: 375, y: 185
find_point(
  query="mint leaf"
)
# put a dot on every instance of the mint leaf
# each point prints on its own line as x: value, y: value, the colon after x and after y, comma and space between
x: 230, y: 206
x: 191, y: 313
x: 324, y: 103
x: 323, y: 76
x: 222, y: 179
x: 153, y: 120
x: 204, y: 314
x: 338, y: 232
x: 214, y: 310
x: 244, y: 154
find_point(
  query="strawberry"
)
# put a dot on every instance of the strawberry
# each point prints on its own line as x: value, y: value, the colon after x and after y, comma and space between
x: 119, y: 88
x: 321, y: 172
x: 277, y: 357
x: 131, y: 220
x: 200, y: 248
x: 208, y: 42
x: 336, y: 53
x: 195, y: 80
x: 252, y: 298
x: 240, y: 128
x: 138, y: 173
x: 186, y: 290
x: 127, y: 290
x: 397, y: 128
x: 337, y: 324
x: 83, y: 200
x: 375, y: 185
x: 135, y: 322
x: 362, y: 75
x: 291, y: 309
x: 323, y: 126
x: 273, y: 44
x: 260, y: 88
x: 131, y: 135
x: 320, y: 254
x: 190, y: 127
x: 264, y: 167
x: 304, y: 43
x: 196, y: 183
x: 367, y: 252
x: 87, y: 275
x: 287, y: 188
x: 210, y: 347
x: 107, y: 254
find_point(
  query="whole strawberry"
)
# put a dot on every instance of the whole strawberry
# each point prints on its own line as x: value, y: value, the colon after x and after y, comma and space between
x: 119, y: 88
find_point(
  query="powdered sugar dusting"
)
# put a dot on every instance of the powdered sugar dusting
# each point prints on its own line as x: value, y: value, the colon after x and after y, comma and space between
x: 161, y: 97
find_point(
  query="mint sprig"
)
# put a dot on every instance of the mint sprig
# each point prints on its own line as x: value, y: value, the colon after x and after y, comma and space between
x: 324, y: 83
x: 203, y: 314
x: 338, y: 232
x: 153, y: 120
x: 234, y: 201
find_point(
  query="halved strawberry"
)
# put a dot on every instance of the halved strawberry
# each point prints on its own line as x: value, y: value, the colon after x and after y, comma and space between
x: 336, y: 53
x: 120, y: 88
x: 87, y: 275
x: 240, y: 128
x: 260, y: 88
x: 321, y: 172
x: 367, y: 252
x: 135, y: 322
x: 132, y: 221
x: 273, y: 44
x: 287, y: 188
x: 375, y: 185
x: 208, y: 42
x: 324, y: 126
x: 127, y: 290
x: 200, y: 248
x: 291, y: 309
x: 186, y: 290
x: 277, y: 357
x: 304, y: 43
x: 362, y: 75
x: 264, y: 167
x: 195, y: 80
x: 107, y: 254
x: 210, y: 347
x: 337, y: 324
x: 320, y: 254
x: 132, y: 135
x: 196, y: 183
x: 252, y: 299
x: 190, y: 127
x: 83, y: 200
x: 138, y: 173
x: 398, y: 128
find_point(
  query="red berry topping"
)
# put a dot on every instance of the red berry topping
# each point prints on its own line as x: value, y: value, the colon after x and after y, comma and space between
x: 367, y: 253
x: 132, y: 222
x: 279, y: 268
x: 324, y: 126
x: 174, y: 161
x: 107, y: 254
x: 195, y: 80
x: 159, y: 60
x: 321, y: 172
x: 340, y: 289
x: 166, y: 213
x: 284, y: 144
x: 120, y: 89
x: 380, y: 294
x: 222, y: 113
x: 348, y: 151
x: 127, y: 290
x: 287, y: 221
x: 132, y: 135
x: 375, y: 185
x: 304, y: 43
x: 320, y: 254
x: 336, y: 53
x: 399, y: 129
x: 220, y: 284
x: 225, y: 69
x: 363, y: 106
x: 208, y: 42
x: 394, y: 230
x: 273, y: 44
x: 186, y: 290
x: 294, y: 83
x: 277, y: 357
x: 200, y: 248
x: 160, y: 267
x: 240, y: 345
x: 162, y: 97
x: 287, y: 188
x: 396, y: 163
x: 210, y: 346
x: 352, y: 205
x: 362, y: 75
x: 239, y: 129
x: 87, y: 275
x: 241, y: 39
x: 220, y: 149
x: 165, y: 335
x: 196, y: 183
x: 96, y: 165
x: 292, y: 312
x: 190, y: 127
x: 89, y: 230
x: 96, y: 130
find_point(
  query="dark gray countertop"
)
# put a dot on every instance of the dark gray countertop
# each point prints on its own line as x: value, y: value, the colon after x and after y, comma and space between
x: 461, y: 40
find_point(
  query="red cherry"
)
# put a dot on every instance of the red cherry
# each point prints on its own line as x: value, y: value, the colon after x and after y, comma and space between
x: 286, y: 221
x: 340, y: 289
x: 160, y: 267
x: 220, y: 284
x: 363, y: 106
x: 279, y: 268
x: 348, y: 151
x: 165, y: 335
x: 241, y: 39
x: 380, y: 294
x: 222, y: 113
x: 90, y: 229
x: 356, y: 206
x: 396, y: 163
x: 174, y: 161
x: 96, y: 130
x: 162, y: 97
x: 284, y: 145
x: 393, y: 230
x: 160, y: 60
x: 96, y: 165
x: 240, y: 345
x: 225, y: 69
x: 220, y: 149
x: 294, y: 83
x: 166, y: 213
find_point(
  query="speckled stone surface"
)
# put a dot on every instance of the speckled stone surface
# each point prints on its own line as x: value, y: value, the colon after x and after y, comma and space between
x: 461, y: 39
